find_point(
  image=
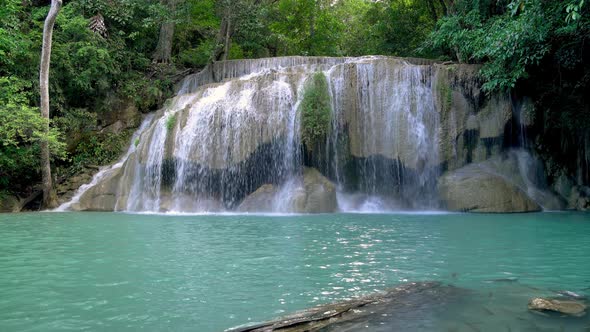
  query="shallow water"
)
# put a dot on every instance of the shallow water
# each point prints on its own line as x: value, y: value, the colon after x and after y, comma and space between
x: 109, y: 271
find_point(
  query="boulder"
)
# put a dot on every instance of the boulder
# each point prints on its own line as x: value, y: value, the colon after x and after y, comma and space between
x: 513, y: 181
x: 320, y: 193
x: 313, y: 193
x: 474, y: 189
x: 9, y: 203
x: 102, y: 196
x: 568, y: 307
x: 67, y: 189
x: 260, y: 200
x: 578, y: 199
x: 118, y: 114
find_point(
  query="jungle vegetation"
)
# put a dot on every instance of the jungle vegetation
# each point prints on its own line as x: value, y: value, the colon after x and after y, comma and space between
x: 106, y: 53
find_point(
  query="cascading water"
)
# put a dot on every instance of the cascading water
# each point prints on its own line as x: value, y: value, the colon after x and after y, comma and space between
x: 103, y: 173
x: 235, y: 127
x: 212, y: 147
x: 384, y: 134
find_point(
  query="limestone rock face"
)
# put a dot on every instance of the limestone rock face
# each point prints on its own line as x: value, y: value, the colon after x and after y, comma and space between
x: 235, y: 128
x: 320, y: 193
x: 473, y: 189
x: 568, y: 307
x: 471, y: 125
x: 260, y: 200
x: 67, y: 189
x: 579, y: 198
x: 9, y: 203
x: 101, y: 197
x: 312, y: 194
x: 510, y: 182
x: 122, y: 114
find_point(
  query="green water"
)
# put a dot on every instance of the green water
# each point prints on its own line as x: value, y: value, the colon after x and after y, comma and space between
x: 110, y: 272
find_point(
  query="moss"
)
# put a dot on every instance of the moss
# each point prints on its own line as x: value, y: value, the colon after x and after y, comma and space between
x: 449, y: 98
x: 315, y: 111
x: 136, y: 143
x: 446, y: 94
x: 171, y: 122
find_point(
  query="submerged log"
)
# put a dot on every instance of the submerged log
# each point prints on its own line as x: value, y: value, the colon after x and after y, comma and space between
x: 354, y: 314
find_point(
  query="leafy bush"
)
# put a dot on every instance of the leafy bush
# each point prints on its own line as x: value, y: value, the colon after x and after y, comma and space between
x: 21, y: 130
x: 509, y: 44
x: 101, y: 150
x: 315, y: 111
x: 171, y: 122
x: 197, y: 56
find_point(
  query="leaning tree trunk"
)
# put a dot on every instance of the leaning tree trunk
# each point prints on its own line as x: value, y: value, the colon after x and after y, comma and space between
x: 224, y: 36
x: 443, y: 5
x: 163, y: 53
x: 49, y: 197
x: 227, y: 41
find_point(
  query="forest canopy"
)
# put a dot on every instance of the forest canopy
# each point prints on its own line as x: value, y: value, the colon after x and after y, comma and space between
x: 108, y: 53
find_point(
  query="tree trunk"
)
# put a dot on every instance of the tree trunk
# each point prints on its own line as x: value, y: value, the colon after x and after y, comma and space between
x: 224, y: 37
x: 227, y: 39
x: 163, y: 53
x: 444, y: 7
x: 432, y: 9
x: 49, y: 197
x: 312, y: 20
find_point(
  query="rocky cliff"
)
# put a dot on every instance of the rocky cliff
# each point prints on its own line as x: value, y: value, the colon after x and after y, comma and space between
x: 400, y: 130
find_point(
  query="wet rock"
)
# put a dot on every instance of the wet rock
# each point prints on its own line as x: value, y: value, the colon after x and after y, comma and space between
x: 383, y: 311
x: 320, y: 193
x: 471, y: 125
x: 579, y: 199
x: 314, y: 193
x: 513, y: 181
x: 260, y: 200
x: 68, y: 188
x: 568, y: 307
x: 563, y: 185
x: 9, y: 203
x: 121, y: 113
x: 101, y: 197
x: 473, y: 189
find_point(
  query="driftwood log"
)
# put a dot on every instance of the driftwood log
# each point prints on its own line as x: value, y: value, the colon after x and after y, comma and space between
x: 348, y: 315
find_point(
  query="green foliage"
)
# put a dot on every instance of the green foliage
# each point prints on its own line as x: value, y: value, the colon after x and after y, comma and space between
x: 148, y: 94
x: 445, y: 94
x: 21, y: 130
x: 574, y: 10
x: 198, y: 56
x: 171, y: 122
x: 512, y: 39
x: 315, y: 111
x: 21, y: 124
x: 101, y: 149
x: 76, y: 120
x: 509, y: 42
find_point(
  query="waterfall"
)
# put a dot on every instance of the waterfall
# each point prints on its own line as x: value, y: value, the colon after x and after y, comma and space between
x: 234, y: 128
x: 104, y: 172
x: 225, y: 140
x: 385, y: 116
